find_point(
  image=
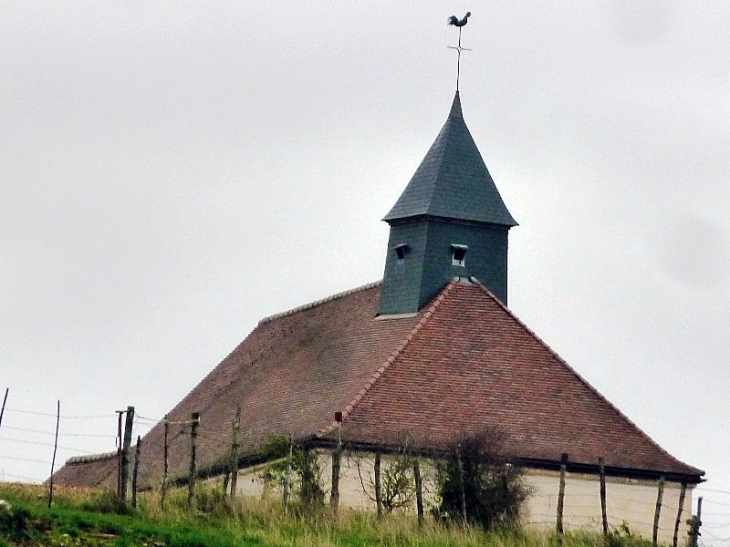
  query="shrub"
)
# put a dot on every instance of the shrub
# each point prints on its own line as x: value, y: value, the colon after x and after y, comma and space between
x: 13, y: 521
x: 476, y: 479
x: 397, y: 489
x: 104, y: 501
x: 211, y: 500
x: 304, y: 476
x: 623, y: 536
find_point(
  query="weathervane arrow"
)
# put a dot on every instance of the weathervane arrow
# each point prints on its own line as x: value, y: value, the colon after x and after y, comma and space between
x: 454, y: 21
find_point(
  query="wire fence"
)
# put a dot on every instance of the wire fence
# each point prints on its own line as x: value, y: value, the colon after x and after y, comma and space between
x: 28, y: 439
x: 27, y: 445
x: 715, y: 516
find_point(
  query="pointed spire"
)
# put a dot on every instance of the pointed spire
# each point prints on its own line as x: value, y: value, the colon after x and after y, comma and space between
x: 450, y: 221
x: 456, y: 108
x: 453, y: 181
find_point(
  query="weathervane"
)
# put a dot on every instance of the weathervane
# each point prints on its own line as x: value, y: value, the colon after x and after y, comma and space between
x: 453, y: 21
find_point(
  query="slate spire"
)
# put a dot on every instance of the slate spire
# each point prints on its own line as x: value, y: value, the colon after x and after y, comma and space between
x: 450, y: 221
x: 453, y: 180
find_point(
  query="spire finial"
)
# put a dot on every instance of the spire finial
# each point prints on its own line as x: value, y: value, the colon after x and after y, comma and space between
x: 454, y: 21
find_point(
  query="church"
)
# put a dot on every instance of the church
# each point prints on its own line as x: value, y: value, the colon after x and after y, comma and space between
x: 427, y: 355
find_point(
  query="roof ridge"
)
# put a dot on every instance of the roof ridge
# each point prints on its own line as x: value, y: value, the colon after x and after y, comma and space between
x: 91, y: 458
x: 392, y: 357
x: 579, y: 377
x: 316, y: 303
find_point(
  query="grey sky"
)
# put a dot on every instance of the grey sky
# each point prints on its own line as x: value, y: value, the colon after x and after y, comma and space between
x: 172, y: 172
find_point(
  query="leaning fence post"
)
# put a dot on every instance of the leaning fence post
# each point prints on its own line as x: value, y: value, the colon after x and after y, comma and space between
x: 419, y: 490
x: 120, y: 413
x: 336, y: 459
x: 55, y: 448
x: 462, y: 482
x: 657, y: 513
x: 287, y: 476
x: 695, y: 523
x: 378, y: 490
x: 561, y: 499
x: 234, y: 452
x: 194, y: 421
x: 165, y: 464
x: 604, y: 517
x: 126, y: 446
x: 5, y: 400
x: 135, y: 472
x: 682, y: 494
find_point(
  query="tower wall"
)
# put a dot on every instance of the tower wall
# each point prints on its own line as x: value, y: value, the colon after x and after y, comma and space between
x: 409, y: 283
x: 402, y: 278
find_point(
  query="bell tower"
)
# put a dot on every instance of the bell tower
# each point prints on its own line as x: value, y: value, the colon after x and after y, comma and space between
x: 450, y: 221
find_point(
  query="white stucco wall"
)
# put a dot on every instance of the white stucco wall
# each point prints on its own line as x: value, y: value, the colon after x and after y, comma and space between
x: 628, y: 500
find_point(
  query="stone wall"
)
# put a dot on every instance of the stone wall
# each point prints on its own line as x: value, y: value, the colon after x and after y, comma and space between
x: 629, y: 501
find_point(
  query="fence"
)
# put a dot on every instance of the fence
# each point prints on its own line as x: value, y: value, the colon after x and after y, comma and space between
x: 27, y: 442
x: 28, y: 438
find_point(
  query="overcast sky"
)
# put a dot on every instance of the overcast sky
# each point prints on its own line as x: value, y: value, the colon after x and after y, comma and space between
x: 172, y: 172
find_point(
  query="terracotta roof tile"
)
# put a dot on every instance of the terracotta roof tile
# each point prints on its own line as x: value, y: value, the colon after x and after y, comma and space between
x: 474, y: 364
x: 463, y: 362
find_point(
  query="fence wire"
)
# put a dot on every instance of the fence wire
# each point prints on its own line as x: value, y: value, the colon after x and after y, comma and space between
x: 33, y: 465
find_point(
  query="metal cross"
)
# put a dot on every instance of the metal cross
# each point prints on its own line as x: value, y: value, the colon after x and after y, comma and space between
x: 459, y: 49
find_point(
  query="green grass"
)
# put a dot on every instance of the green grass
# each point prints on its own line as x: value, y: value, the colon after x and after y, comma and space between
x: 89, y: 518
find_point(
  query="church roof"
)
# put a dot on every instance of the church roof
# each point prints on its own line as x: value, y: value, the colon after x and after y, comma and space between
x: 462, y: 363
x: 453, y: 181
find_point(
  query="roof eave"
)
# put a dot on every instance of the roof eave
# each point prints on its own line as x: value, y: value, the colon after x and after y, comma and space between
x: 692, y: 478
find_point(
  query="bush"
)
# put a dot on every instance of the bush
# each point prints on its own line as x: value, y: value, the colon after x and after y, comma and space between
x: 492, y: 490
x: 104, y: 501
x: 304, y: 476
x: 397, y: 488
x: 623, y: 536
x: 211, y: 500
x: 13, y: 521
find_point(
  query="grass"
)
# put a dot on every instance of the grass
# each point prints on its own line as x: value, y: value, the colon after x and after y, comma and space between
x: 84, y: 517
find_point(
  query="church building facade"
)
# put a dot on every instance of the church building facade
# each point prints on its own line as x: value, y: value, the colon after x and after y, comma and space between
x: 427, y: 355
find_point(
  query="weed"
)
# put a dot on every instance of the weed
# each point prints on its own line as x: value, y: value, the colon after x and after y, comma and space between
x: 242, y: 522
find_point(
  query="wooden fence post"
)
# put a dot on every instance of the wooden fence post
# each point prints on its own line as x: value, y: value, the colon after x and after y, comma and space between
x: 135, y: 471
x: 378, y: 487
x: 227, y: 479
x: 163, y: 493
x: 336, y: 460
x: 604, y: 516
x: 682, y: 494
x: 561, y: 499
x: 462, y: 482
x: 194, y: 421
x: 695, y: 523
x: 126, y: 446
x: 287, y: 476
x: 419, y: 490
x: 5, y: 400
x: 55, y: 448
x: 233, y: 468
x: 657, y: 513
x: 120, y: 413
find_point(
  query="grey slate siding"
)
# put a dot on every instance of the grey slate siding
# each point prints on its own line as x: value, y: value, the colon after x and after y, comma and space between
x: 486, y: 258
x: 402, y: 279
x: 453, y: 181
x: 411, y: 283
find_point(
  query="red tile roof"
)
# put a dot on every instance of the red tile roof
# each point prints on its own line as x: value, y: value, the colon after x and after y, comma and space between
x: 462, y: 363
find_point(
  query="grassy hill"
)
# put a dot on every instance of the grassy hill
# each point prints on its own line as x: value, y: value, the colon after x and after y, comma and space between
x: 81, y: 517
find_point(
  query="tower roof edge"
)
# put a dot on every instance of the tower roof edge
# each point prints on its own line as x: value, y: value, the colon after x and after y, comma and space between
x: 452, y: 180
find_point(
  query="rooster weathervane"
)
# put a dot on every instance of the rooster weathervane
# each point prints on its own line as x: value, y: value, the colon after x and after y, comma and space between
x: 454, y: 21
